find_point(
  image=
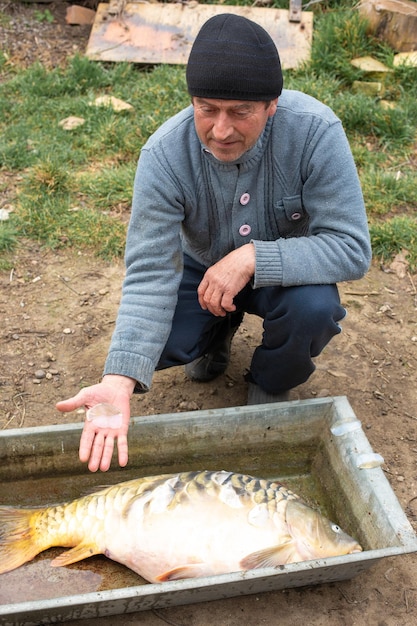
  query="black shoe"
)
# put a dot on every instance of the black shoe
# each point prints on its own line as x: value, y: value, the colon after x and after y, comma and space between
x: 256, y: 395
x: 215, y: 361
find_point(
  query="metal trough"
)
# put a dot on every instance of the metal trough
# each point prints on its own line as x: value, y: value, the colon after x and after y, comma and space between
x: 316, y: 447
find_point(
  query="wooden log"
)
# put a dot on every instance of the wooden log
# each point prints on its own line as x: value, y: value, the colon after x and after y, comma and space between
x: 392, y: 21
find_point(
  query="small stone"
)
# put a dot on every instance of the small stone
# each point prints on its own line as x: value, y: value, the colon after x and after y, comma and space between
x: 15, y: 336
x: 67, y: 331
x: 371, y: 66
x: 400, y: 479
x: 369, y: 88
x: 54, y: 372
x: 36, y: 381
x: 48, y: 376
x: 39, y: 374
x: 71, y: 122
x: 188, y: 406
x: 110, y: 101
x: 405, y: 58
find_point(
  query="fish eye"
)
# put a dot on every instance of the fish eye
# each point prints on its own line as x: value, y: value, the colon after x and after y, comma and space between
x: 336, y: 528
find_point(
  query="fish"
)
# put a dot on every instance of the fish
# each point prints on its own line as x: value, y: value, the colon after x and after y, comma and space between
x: 177, y: 526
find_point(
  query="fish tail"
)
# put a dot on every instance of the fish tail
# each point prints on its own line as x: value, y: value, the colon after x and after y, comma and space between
x: 17, y: 537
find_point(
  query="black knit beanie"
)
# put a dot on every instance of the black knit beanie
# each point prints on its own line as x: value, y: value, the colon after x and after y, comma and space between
x: 233, y: 58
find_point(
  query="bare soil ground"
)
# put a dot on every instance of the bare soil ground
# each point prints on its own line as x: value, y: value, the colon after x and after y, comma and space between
x: 57, y: 311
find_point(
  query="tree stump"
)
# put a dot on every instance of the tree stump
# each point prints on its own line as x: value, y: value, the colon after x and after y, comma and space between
x: 392, y: 21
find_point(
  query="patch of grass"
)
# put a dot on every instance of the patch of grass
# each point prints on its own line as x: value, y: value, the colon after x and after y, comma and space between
x: 76, y: 186
x: 395, y: 235
x: 33, y: 104
x: 38, y: 84
x: 8, y: 237
x: 110, y: 187
x: 390, y: 192
x: 57, y: 222
x: 44, y: 16
x: 51, y: 213
x: 339, y: 37
x: 48, y: 178
x: 361, y: 114
x: 74, y: 180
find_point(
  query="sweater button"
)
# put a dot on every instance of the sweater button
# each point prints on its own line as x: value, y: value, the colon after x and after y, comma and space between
x: 244, y: 230
x: 244, y: 198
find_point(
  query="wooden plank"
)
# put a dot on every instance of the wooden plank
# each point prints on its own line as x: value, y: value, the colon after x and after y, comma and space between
x: 164, y: 33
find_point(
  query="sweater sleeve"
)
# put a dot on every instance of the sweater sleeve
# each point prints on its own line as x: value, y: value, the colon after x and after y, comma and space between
x: 337, y: 246
x: 154, y: 265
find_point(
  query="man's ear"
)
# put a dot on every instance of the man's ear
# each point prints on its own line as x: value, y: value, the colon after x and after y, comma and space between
x: 272, y: 107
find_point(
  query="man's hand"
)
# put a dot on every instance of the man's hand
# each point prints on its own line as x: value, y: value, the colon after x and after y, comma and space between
x: 223, y: 281
x: 97, y: 444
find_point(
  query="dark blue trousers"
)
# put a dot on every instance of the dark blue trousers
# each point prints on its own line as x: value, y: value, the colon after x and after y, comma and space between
x: 298, y: 323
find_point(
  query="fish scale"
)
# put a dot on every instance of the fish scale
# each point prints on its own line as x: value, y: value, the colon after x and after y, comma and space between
x: 261, y: 490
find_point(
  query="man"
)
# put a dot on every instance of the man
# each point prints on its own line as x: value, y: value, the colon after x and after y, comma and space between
x: 246, y: 201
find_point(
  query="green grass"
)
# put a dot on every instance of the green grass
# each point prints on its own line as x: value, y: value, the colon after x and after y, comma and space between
x: 393, y: 236
x: 75, y: 184
x: 8, y: 237
x: 75, y: 187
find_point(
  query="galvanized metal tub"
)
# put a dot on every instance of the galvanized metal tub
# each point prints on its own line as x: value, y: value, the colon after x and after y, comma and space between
x: 316, y: 447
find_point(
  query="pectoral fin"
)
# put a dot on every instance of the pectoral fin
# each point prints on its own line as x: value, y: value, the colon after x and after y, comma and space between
x: 194, y: 570
x: 271, y: 557
x: 80, y: 552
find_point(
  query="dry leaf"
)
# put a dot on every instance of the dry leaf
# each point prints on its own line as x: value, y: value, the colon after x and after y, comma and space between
x: 400, y: 264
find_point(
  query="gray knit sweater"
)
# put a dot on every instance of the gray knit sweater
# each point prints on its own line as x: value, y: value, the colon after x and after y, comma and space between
x: 295, y: 194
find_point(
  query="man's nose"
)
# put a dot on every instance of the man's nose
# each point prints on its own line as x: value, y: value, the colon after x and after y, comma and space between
x: 222, y: 128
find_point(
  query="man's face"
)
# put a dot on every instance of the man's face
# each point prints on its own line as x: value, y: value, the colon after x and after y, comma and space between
x: 228, y: 128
